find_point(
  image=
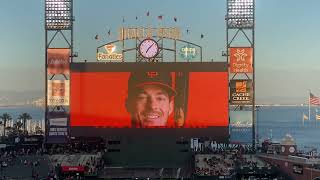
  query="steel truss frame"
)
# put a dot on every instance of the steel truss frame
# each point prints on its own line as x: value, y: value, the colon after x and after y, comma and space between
x: 67, y: 36
x: 233, y: 33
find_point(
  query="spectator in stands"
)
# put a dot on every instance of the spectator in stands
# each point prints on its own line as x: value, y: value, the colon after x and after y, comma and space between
x: 150, y: 98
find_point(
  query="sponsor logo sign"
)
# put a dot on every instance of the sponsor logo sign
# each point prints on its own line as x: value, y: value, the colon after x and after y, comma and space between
x: 57, y: 126
x: 58, y: 121
x: 297, y: 169
x: 241, y: 92
x: 241, y: 126
x: 188, y: 52
x: 58, y: 131
x: 58, y: 92
x: 110, y: 54
x: 72, y: 168
x: 58, y: 61
x: 241, y: 60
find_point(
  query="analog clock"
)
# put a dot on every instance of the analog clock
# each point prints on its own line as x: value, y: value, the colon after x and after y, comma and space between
x: 149, y: 48
x: 291, y: 149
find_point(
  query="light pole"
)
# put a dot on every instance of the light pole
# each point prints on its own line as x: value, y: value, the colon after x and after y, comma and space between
x: 240, y: 21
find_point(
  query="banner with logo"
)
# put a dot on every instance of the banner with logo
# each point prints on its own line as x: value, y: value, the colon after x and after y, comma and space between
x: 188, y: 52
x: 110, y: 53
x: 58, y: 92
x: 240, y: 126
x: 240, y: 92
x: 57, y: 127
x: 58, y: 60
x: 241, y: 60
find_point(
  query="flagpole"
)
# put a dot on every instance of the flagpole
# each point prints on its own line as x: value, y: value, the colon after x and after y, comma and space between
x: 309, y: 103
x: 316, y: 117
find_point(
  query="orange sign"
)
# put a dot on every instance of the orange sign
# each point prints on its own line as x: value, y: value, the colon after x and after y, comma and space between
x: 240, y: 92
x: 241, y: 60
x: 241, y: 86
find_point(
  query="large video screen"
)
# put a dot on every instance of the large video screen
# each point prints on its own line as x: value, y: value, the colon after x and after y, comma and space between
x: 176, y: 97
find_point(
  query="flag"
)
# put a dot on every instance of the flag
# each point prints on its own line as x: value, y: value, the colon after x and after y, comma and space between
x: 109, y: 32
x: 304, y: 117
x: 160, y: 17
x: 96, y: 37
x: 314, y: 100
x: 148, y: 13
x: 317, y: 117
x: 175, y: 19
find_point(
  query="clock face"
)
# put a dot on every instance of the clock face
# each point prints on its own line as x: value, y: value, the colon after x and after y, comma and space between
x: 149, y: 48
x: 283, y: 148
x: 291, y: 149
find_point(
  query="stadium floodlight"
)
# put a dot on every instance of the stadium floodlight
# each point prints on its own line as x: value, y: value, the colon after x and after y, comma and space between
x: 240, y: 13
x: 58, y: 14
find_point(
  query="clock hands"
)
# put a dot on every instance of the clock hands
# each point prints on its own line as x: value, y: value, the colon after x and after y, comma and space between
x: 149, y: 47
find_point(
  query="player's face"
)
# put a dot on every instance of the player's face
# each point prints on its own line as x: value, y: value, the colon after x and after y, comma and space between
x: 152, y: 106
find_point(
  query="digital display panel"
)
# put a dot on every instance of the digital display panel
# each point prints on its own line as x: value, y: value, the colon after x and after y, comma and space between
x: 156, y: 97
x: 58, y: 129
x: 241, y: 127
x: 58, y: 60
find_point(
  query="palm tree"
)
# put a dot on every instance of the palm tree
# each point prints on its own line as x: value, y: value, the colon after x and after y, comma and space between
x: 24, y: 117
x: 38, y: 130
x: 5, y: 117
x: 18, y: 125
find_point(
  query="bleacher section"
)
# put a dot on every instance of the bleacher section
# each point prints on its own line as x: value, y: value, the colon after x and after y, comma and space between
x: 214, y: 165
x: 86, y: 160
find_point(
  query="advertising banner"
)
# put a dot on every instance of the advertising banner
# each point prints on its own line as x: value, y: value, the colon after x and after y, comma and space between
x: 58, y: 61
x: 72, y: 168
x: 240, y: 92
x: 240, y: 126
x: 241, y: 60
x: 58, y: 92
x: 57, y: 127
x: 188, y: 52
x: 110, y: 53
x: 58, y: 121
x: 297, y: 168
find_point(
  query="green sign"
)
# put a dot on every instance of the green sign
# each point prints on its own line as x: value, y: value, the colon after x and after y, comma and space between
x: 188, y: 52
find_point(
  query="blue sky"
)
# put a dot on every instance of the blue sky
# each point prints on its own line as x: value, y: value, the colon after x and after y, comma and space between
x: 287, y: 37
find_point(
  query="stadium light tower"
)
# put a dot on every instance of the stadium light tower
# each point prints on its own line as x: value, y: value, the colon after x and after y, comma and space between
x: 58, y: 20
x: 58, y: 14
x: 240, y: 24
x: 240, y: 13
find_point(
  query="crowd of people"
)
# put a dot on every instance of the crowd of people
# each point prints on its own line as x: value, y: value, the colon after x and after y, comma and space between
x: 214, y: 165
x: 223, y: 161
x: 27, y: 160
x: 37, y: 162
x: 86, y: 157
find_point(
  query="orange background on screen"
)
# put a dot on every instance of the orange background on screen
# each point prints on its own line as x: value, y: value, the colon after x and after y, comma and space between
x: 208, y: 99
x: 98, y: 99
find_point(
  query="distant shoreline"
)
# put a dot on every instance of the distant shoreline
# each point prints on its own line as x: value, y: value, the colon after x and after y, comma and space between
x: 17, y: 106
